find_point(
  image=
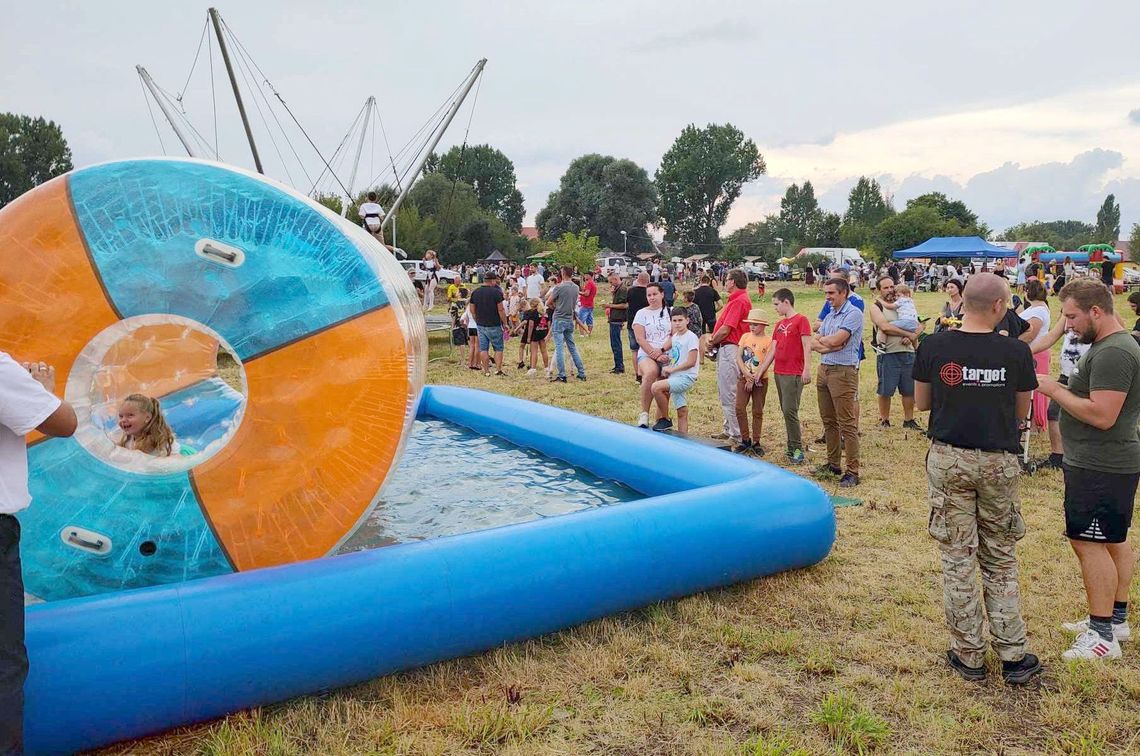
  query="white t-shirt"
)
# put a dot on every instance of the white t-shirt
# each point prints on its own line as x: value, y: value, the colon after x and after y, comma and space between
x: 534, y: 286
x: 370, y: 209
x: 905, y: 308
x: 24, y: 404
x: 1072, y: 350
x: 1041, y: 312
x: 657, y: 326
x: 679, y: 351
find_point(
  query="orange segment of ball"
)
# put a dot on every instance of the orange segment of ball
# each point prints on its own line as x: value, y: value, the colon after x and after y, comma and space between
x: 321, y: 429
x: 53, y: 301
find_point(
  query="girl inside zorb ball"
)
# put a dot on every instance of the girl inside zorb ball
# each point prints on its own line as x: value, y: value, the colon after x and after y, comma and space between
x: 282, y: 347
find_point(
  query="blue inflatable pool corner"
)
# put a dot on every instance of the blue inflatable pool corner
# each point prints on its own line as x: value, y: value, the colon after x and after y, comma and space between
x: 118, y: 666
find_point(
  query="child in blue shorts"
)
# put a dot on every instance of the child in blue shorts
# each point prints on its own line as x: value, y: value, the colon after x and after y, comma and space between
x: 680, y: 374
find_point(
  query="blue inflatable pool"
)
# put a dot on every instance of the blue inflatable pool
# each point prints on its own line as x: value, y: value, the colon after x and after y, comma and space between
x: 122, y: 665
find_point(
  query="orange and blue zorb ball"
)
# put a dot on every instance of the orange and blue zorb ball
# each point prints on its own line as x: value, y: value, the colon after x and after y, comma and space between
x: 286, y: 348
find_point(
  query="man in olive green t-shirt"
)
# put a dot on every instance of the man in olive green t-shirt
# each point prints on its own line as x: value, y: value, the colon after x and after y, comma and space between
x: 1100, y: 409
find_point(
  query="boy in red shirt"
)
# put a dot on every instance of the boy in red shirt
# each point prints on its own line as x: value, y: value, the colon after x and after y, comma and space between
x: 586, y: 305
x: 792, y: 360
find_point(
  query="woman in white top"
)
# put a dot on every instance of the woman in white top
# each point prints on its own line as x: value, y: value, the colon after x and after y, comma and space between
x: 1072, y: 350
x: 431, y: 267
x: 651, y: 327
x: 1037, y: 315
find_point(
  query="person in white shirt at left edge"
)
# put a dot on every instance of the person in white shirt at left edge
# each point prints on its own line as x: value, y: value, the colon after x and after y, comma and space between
x: 26, y: 404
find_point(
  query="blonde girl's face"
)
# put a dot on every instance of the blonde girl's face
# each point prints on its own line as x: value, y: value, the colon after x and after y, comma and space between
x: 132, y: 418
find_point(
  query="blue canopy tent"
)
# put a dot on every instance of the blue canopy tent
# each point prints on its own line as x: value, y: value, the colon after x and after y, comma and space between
x: 955, y: 246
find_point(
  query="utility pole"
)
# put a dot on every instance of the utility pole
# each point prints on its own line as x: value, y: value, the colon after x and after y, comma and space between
x: 237, y: 93
x: 471, y: 79
x: 153, y: 89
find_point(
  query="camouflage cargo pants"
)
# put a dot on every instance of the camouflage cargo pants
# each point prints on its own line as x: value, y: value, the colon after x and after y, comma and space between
x: 975, y: 516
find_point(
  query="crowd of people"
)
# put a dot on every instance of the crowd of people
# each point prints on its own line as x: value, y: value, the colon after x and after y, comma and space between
x: 980, y: 367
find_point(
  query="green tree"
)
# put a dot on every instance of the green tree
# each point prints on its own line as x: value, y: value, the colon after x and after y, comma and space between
x: 1134, y: 240
x: 605, y: 196
x: 1060, y: 234
x: 758, y: 239
x: 867, y: 204
x: 700, y: 178
x: 452, y: 203
x: 1108, y: 221
x: 824, y: 230
x: 913, y: 226
x: 491, y: 175
x: 332, y: 201
x: 952, y: 210
x: 414, y: 233
x: 579, y: 251
x: 32, y: 151
x: 798, y: 211
x: 857, y: 235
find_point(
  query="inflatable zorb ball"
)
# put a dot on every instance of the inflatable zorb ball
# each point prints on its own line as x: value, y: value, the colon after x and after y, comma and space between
x: 285, y: 345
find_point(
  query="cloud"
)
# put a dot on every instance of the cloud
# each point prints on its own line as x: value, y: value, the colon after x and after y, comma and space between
x: 729, y: 30
x: 1134, y: 116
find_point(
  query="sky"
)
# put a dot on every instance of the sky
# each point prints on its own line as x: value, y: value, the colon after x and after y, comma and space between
x: 1024, y: 110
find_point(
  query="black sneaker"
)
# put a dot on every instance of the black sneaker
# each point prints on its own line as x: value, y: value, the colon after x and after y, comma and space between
x: 617, y: 371
x: 884, y: 423
x: 1022, y: 671
x: 849, y: 480
x: 561, y: 379
x: 973, y: 674
x: 757, y: 449
x: 663, y: 424
x: 913, y: 425
x: 581, y: 377
x: 826, y: 469
x: 522, y: 365
x: 743, y: 447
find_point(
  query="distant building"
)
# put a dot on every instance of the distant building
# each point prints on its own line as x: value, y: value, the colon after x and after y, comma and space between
x: 530, y: 232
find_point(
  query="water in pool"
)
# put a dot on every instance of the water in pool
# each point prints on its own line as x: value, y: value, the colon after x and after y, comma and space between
x: 452, y: 480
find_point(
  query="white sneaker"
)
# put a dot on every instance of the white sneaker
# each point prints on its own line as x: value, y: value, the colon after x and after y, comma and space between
x: 1089, y: 646
x: 1120, y: 632
x: 532, y: 371
x: 643, y: 420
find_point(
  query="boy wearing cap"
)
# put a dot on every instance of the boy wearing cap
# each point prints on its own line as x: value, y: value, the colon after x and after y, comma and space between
x: 753, y: 383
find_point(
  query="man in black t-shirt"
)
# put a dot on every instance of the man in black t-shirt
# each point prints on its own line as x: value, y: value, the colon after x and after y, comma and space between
x: 977, y: 385
x: 635, y: 301
x: 486, y: 309
x: 615, y: 317
x: 705, y: 297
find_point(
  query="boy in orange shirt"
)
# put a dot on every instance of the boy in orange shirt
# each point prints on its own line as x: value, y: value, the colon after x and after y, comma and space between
x: 753, y: 384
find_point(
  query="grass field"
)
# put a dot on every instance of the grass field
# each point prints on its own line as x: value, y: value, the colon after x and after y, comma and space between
x: 844, y: 657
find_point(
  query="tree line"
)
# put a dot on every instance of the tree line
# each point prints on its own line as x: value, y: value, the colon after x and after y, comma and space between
x: 468, y: 203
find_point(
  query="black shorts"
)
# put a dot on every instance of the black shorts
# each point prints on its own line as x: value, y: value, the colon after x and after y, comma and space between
x: 1098, y: 505
x: 707, y: 323
x: 1053, y: 414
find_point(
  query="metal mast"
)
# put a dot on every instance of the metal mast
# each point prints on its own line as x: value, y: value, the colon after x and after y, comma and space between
x: 237, y: 93
x: 471, y: 79
x: 368, y: 105
x: 153, y: 89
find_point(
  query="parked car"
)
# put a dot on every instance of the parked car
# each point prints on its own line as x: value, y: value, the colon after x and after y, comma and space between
x: 444, y: 275
x: 759, y: 272
x: 623, y: 266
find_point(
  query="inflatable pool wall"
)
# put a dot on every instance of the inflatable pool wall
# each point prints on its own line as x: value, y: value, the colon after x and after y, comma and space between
x: 131, y: 277
x: 118, y: 666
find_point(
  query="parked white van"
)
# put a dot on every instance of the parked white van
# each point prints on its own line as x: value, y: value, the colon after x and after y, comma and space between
x: 838, y: 255
x: 615, y: 264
